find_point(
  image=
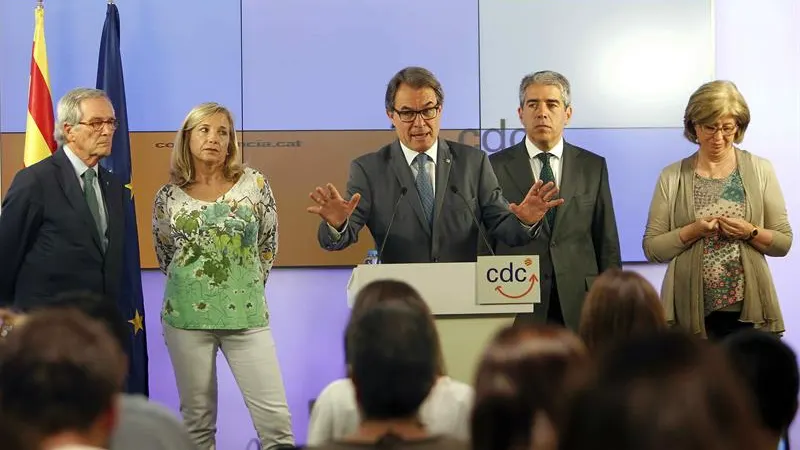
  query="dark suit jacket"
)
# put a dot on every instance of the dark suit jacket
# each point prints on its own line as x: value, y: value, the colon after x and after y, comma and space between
x: 583, y: 242
x: 48, y: 240
x: 379, y: 178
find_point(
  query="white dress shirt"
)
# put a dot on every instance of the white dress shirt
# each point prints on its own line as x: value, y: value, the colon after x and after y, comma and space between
x: 556, y: 162
x: 81, y: 167
x: 430, y: 166
x: 446, y: 411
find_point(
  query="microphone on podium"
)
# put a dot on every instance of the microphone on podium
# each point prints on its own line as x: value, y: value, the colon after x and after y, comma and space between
x: 403, y: 192
x: 472, y: 214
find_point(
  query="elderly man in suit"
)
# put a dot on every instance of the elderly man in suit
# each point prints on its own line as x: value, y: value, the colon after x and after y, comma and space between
x: 578, y: 240
x: 435, y: 190
x: 61, y: 224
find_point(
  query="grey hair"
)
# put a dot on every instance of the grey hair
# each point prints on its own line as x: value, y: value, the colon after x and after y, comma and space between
x: 415, y: 77
x: 69, y: 111
x: 546, y: 77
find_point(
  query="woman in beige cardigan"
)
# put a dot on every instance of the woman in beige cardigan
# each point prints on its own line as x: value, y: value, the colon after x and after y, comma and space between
x: 714, y: 216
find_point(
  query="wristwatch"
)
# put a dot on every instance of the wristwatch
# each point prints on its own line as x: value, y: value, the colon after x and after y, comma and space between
x: 753, y: 234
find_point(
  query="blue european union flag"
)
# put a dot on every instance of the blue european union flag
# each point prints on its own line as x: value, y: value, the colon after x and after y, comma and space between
x: 131, y: 300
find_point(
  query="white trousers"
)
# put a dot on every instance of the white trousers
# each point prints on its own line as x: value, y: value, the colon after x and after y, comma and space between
x: 254, y: 364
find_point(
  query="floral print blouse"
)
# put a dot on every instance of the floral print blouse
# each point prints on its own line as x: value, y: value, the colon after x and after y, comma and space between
x: 217, y: 255
x: 723, y: 273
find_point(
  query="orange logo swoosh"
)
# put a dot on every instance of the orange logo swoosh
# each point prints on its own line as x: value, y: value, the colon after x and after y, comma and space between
x: 532, y: 280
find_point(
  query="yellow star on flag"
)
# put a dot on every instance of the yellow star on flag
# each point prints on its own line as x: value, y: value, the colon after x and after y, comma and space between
x: 129, y: 187
x: 137, y: 322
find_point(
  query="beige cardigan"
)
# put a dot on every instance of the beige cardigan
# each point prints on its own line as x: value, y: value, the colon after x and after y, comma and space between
x: 672, y: 207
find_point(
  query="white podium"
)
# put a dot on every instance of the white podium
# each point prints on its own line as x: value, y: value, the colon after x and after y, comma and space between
x: 465, y: 326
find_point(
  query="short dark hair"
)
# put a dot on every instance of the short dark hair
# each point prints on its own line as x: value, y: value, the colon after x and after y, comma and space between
x: 620, y: 306
x: 393, y: 360
x: 663, y: 391
x: 59, y: 371
x: 16, y: 436
x: 769, y: 369
x: 384, y: 290
x: 526, y: 372
x: 415, y: 77
x: 98, y: 307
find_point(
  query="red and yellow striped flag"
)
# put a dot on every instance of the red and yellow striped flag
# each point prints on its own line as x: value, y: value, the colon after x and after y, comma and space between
x: 39, y: 141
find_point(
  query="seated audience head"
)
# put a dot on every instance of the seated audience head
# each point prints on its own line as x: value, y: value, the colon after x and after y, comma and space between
x: 769, y: 369
x: 377, y: 292
x: 14, y: 436
x: 525, y: 381
x: 393, y: 354
x: 665, y: 391
x: 97, y: 307
x: 60, y: 376
x: 620, y: 305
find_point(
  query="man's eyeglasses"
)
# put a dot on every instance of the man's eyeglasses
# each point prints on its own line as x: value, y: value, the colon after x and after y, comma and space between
x: 97, y: 125
x: 410, y: 115
x: 710, y: 130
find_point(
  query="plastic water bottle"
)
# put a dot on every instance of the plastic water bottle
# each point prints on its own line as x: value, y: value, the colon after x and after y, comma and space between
x: 372, y: 257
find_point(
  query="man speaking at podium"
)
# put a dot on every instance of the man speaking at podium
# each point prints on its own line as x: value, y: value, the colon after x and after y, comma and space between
x: 578, y: 240
x: 423, y: 197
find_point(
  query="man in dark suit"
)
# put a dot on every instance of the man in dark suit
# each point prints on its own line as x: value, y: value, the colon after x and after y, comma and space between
x: 434, y: 185
x: 578, y: 240
x: 61, y: 224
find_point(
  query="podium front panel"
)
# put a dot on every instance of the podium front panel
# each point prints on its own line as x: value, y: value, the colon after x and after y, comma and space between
x: 448, y: 288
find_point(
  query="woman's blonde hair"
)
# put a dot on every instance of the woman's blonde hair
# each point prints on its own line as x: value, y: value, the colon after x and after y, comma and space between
x: 182, y: 165
x: 712, y: 101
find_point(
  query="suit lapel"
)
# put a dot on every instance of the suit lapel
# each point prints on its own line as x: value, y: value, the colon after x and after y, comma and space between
x: 72, y: 189
x: 443, y: 163
x: 570, y: 176
x: 403, y: 173
x: 519, y: 168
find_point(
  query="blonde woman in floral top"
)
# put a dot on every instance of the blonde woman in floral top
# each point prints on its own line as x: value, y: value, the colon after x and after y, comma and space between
x: 215, y: 228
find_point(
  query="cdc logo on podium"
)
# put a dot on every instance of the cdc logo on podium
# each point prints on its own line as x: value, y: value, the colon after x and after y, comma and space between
x: 507, y: 279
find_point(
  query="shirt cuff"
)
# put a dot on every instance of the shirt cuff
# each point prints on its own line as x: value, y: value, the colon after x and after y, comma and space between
x: 337, y: 234
x: 532, y: 230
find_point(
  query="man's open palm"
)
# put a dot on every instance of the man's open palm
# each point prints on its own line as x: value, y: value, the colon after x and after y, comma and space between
x: 331, y: 206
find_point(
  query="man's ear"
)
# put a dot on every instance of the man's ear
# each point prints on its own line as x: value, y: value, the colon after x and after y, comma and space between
x: 108, y: 419
x: 390, y: 115
x: 67, y: 130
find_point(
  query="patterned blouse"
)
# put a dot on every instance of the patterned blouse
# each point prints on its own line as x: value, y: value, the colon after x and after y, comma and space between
x: 723, y: 275
x: 217, y: 255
